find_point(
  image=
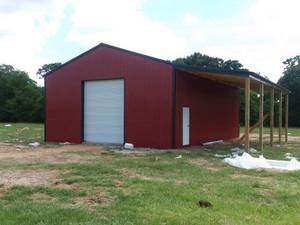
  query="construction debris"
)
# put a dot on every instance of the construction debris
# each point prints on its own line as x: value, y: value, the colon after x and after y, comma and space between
x: 128, y: 146
x: 237, y: 151
x: 178, y: 157
x: 65, y: 143
x: 289, y: 156
x: 213, y: 142
x: 252, y: 150
x: 221, y: 156
x: 246, y: 161
x: 34, y: 144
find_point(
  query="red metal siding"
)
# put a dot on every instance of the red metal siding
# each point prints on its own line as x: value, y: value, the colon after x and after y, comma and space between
x: 214, y: 109
x: 148, y: 96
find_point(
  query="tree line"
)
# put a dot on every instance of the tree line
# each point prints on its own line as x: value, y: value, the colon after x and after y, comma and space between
x: 22, y: 100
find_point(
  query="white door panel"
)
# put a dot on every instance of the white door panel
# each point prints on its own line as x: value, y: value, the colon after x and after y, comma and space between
x: 104, y: 111
x: 185, y: 125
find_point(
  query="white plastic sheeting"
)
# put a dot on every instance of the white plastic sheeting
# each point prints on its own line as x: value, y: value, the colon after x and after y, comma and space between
x: 288, y: 156
x: 65, y: 143
x: 213, y: 142
x: 246, y: 161
x: 34, y: 144
x: 128, y: 146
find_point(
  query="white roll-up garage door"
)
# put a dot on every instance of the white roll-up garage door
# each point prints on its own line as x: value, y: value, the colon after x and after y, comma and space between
x: 104, y: 111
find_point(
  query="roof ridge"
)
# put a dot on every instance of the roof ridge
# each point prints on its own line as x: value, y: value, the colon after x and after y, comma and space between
x: 112, y: 47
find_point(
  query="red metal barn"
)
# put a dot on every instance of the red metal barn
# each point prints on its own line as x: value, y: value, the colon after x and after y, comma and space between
x: 112, y: 95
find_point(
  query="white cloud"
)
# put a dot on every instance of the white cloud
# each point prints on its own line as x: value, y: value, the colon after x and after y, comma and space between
x: 199, y: 36
x: 190, y: 19
x: 261, y: 39
x: 123, y: 23
x: 25, y: 27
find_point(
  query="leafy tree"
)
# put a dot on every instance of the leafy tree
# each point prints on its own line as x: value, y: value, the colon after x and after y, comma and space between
x: 46, y: 68
x: 205, y: 61
x: 254, y: 109
x: 20, y: 97
x: 291, y: 81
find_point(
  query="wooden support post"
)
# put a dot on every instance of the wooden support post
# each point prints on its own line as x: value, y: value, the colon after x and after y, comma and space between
x: 261, y: 116
x: 280, y: 118
x: 286, y: 123
x: 247, y: 113
x: 272, y: 117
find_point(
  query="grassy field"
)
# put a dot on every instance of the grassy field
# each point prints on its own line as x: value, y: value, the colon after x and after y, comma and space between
x: 293, y: 131
x: 86, y: 184
x: 22, y: 133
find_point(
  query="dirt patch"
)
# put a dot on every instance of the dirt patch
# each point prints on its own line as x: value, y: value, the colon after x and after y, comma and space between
x: 96, y: 200
x: 266, y: 192
x: 119, y: 183
x: 56, y: 154
x: 42, y: 197
x: 27, y: 177
x: 62, y: 185
x: 134, y: 174
x: 266, y: 137
x: 181, y: 182
x: 3, y: 190
x: 237, y: 176
x: 93, y: 199
x: 207, y: 164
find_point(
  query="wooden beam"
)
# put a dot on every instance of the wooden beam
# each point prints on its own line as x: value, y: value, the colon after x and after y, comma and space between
x: 247, y: 113
x: 272, y: 117
x: 280, y: 118
x: 252, y: 128
x: 286, y: 123
x: 261, y: 116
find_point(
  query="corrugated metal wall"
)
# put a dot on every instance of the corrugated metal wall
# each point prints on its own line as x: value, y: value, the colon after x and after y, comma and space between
x: 148, y: 96
x: 214, y: 109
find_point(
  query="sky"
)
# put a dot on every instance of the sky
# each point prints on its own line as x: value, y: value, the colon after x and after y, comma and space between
x: 261, y: 34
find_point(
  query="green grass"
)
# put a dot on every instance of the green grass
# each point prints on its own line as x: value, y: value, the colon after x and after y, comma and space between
x: 155, y: 189
x: 293, y: 131
x: 22, y: 133
x: 31, y: 132
x: 163, y: 191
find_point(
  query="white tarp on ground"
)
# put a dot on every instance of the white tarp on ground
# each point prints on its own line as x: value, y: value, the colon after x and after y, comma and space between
x: 246, y: 161
x: 34, y: 144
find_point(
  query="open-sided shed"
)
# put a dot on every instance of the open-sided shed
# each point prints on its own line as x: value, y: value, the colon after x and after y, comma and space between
x: 112, y: 95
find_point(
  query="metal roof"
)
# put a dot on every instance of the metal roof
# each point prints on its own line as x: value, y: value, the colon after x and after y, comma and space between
x: 232, y: 73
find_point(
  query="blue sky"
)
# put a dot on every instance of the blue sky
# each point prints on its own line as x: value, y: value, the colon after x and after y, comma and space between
x: 167, y: 12
x: 212, y: 9
x: 258, y: 33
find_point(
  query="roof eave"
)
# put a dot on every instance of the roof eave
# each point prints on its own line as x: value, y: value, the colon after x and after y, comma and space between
x: 241, y: 73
